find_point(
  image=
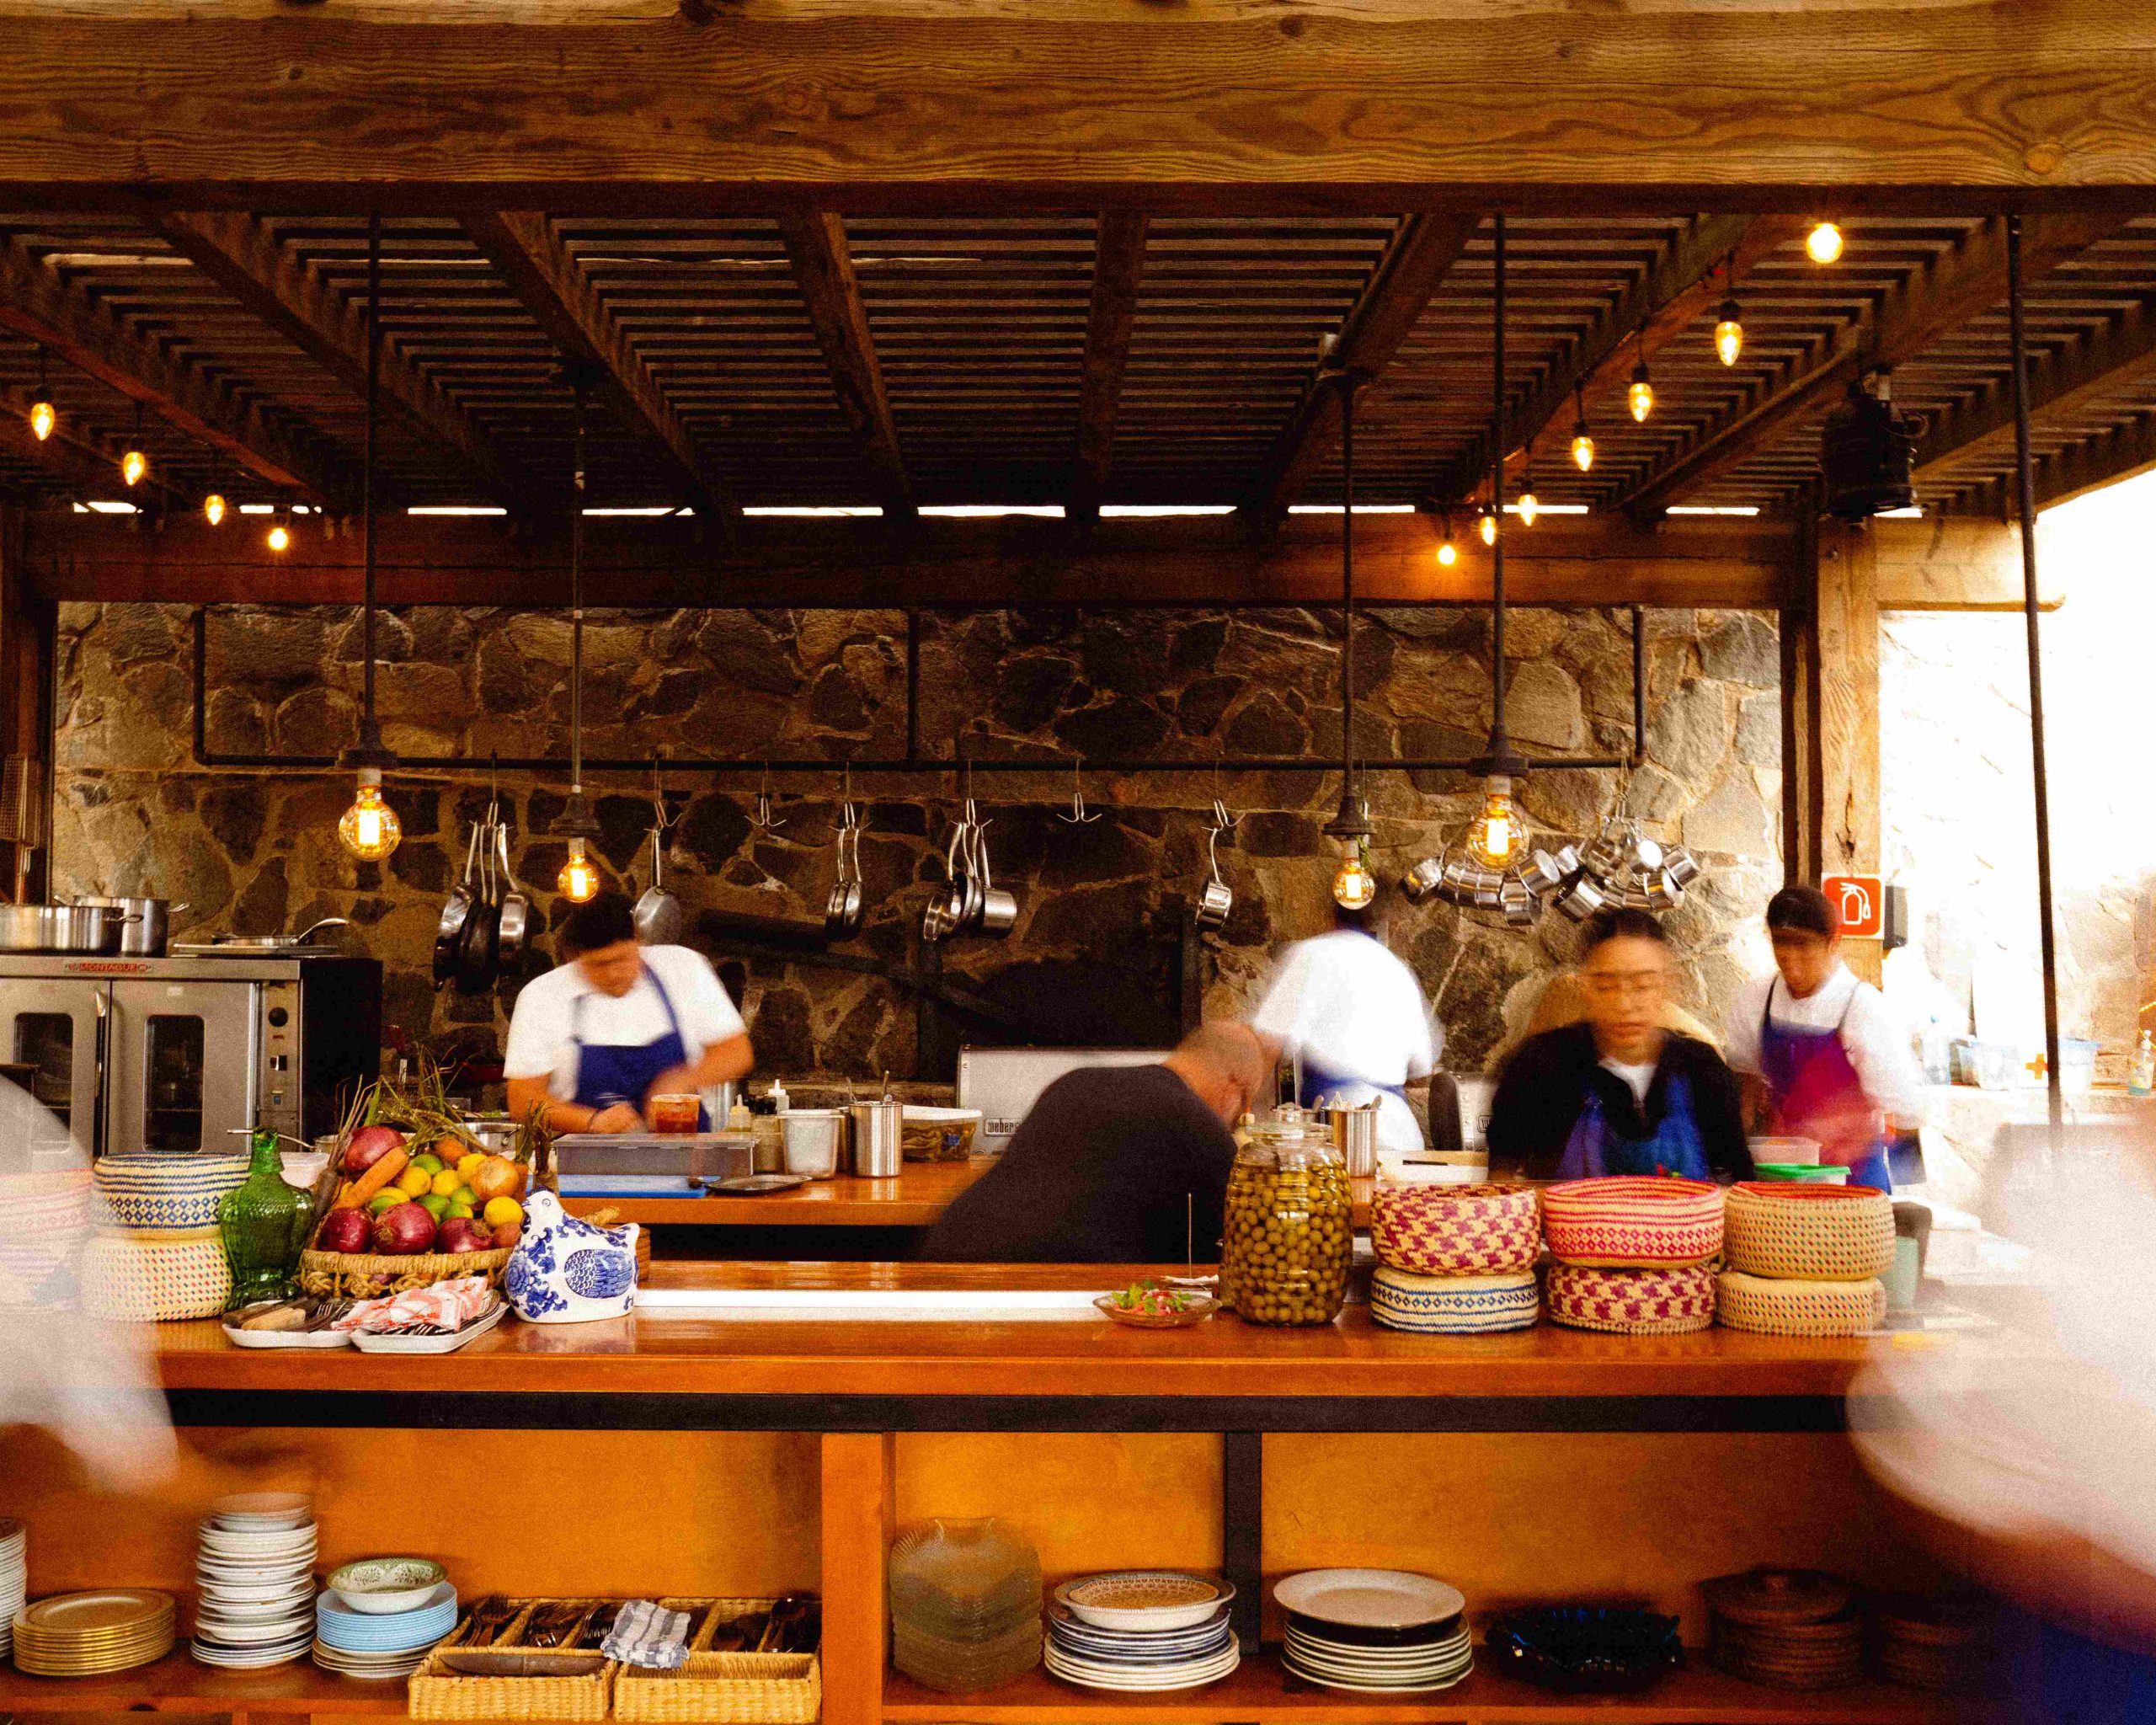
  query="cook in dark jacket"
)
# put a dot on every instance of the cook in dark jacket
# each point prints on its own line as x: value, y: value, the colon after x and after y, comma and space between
x: 1113, y: 1163
x: 1617, y: 1093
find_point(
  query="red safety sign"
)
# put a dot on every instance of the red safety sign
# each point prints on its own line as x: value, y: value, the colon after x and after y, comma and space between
x: 1858, y: 902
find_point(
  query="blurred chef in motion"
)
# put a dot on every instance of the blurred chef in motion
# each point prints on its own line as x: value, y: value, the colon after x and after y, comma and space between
x: 1115, y: 1164
x: 1354, y: 1020
x: 1821, y: 1053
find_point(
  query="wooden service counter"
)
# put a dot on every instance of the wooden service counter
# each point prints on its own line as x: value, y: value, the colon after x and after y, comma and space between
x: 698, y: 1451
x: 913, y: 1198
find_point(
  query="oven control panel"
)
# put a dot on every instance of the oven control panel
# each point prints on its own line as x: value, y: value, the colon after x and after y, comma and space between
x: 277, y: 1078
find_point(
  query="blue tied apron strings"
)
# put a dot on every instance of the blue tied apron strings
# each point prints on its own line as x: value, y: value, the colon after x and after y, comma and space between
x: 607, y: 1073
x: 1314, y: 1083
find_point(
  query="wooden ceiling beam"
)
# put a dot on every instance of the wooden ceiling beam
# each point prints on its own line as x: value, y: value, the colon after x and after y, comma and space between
x: 1414, y: 263
x: 1118, y: 263
x: 1659, y: 307
x: 60, y: 463
x: 243, y: 254
x: 2123, y: 452
x: 36, y: 301
x: 530, y: 257
x: 823, y: 270
x: 1961, y: 283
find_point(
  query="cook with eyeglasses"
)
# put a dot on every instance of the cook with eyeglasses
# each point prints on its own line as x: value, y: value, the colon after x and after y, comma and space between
x: 1618, y: 1093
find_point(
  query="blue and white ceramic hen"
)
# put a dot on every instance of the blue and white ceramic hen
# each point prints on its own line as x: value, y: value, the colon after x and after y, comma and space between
x: 569, y: 1271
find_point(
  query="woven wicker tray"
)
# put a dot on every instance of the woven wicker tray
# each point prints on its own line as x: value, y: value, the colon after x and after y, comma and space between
x: 436, y: 1692
x: 722, y: 1689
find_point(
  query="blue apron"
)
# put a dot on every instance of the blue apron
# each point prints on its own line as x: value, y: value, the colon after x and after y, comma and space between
x: 1594, y: 1148
x: 1804, y: 1068
x: 1314, y: 1084
x: 608, y: 1072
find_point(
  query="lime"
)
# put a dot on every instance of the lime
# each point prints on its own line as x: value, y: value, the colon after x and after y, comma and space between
x: 383, y: 1199
x: 431, y: 1162
x: 434, y: 1204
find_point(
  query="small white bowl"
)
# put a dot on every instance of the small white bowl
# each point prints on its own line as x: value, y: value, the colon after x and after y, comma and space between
x: 379, y: 1587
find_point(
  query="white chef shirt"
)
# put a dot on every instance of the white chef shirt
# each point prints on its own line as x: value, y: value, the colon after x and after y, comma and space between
x: 1640, y: 1077
x: 1877, y: 1046
x: 547, y: 1026
x: 1342, y: 1001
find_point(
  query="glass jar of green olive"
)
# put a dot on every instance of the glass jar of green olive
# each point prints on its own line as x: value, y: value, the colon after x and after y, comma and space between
x: 1290, y: 1231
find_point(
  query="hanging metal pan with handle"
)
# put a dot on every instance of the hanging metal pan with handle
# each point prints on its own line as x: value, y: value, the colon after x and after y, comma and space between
x: 659, y: 912
x: 515, y: 922
x: 477, y: 958
x: 448, y: 928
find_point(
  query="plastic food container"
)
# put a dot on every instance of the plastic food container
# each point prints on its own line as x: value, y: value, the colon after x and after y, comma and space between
x: 812, y: 1138
x: 675, y: 1113
x: 1790, y: 1152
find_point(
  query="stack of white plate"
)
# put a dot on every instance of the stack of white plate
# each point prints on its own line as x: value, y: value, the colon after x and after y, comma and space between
x: 255, y: 1570
x: 380, y: 1644
x: 14, y: 1580
x: 1381, y: 1631
x: 1141, y: 1631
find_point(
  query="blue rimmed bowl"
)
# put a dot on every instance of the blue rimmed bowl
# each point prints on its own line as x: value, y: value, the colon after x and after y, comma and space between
x: 1586, y: 1649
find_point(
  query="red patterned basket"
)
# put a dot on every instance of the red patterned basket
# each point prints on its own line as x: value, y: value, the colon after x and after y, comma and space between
x: 1633, y: 1221
x: 1456, y: 1230
x: 1663, y: 1302
x: 1802, y: 1233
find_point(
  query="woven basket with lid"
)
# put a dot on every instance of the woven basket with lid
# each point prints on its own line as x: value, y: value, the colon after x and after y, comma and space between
x: 1633, y: 1221
x: 1810, y: 1233
x: 1456, y: 1230
x: 1768, y: 1305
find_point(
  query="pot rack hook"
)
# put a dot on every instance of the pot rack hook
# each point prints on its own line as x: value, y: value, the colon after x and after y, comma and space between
x: 1078, y: 816
x: 765, y: 823
x: 660, y: 817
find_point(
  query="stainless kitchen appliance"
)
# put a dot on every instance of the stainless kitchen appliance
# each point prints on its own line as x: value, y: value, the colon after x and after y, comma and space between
x: 1003, y: 1082
x: 178, y: 1053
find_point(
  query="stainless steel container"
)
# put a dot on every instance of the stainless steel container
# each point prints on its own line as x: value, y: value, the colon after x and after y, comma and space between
x: 89, y: 928
x: 30, y: 928
x: 877, y: 1127
x: 811, y: 1137
x: 146, y: 929
x: 1355, y: 1136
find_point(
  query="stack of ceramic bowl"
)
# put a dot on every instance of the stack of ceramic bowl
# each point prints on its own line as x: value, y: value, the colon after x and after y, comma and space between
x: 1634, y: 1253
x: 165, y: 1258
x: 1806, y: 1260
x: 1142, y: 1631
x: 91, y: 1634
x: 381, y: 1617
x: 965, y: 1605
x: 14, y: 1580
x: 44, y: 1218
x: 1455, y: 1260
x: 1381, y: 1631
x: 255, y: 1568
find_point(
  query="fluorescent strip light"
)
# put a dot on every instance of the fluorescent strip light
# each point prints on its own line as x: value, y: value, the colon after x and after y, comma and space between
x: 101, y: 506
x: 1361, y: 509
x: 812, y: 510
x: 1712, y: 509
x: 664, y: 509
x: 1166, y: 509
x: 970, y: 511
x: 258, y: 508
x: 458, y: 509
x: 1544, y: 508
x: 1914, y: 513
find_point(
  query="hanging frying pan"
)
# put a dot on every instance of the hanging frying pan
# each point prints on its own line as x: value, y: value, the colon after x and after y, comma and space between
x: 449, y: 929
x: 516, y: 920
x: 477, y: 958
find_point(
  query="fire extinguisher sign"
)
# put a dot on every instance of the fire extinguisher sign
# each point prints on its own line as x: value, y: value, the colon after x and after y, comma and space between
x: 1859, y: 904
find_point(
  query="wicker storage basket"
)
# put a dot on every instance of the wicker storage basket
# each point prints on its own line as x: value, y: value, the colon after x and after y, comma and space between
x: 1769, y: 1307
x: 436, y: 1692
x: 1456, y: 1230
x: 1810, y: 1233
x: 1658, y: 1302
x: 1454, y: 1305
x: 156, y: 1275
x: 363, y: 1275
x: 1633, y: 1222
x: 165, y: 1189
x: 722, y: 1689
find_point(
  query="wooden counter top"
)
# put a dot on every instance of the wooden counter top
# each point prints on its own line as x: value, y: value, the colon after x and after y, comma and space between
x: 912, y: 1199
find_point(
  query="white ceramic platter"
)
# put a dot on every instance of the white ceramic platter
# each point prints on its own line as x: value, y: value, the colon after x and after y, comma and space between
x: 288, y: 1339
x: 1369, y: 1599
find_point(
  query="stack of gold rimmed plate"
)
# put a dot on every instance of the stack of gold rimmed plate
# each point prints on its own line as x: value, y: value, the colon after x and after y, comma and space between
x: 89, y: 1634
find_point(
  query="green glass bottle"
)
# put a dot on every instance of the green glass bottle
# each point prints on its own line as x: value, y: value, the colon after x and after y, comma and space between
x: 265, y: 1223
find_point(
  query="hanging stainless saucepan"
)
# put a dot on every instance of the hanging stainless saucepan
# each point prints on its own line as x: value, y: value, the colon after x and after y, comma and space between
x: 945, y: 914
x: 514, y: 924
x: 658, y: 917
x: 449, y: 928
x: 478, y: 955
x: 997, y: 911
x: 842, y: 911
x: 1218, y: 898
x: 1423, y: 878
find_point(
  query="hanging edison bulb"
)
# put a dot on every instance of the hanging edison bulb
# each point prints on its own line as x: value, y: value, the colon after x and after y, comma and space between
x: 370, y: 830
x: 279, y: 536
x: 1530, y: 504
x: 1640, y: 397
x: 1729, y: 332
x: 213, y: 510
x: 1488, y: 526
x: 1497, y: 839
x: 1823, y: 244
x: 1355, y: 885
x: 1583, y: 448
x: 133, y: 465
x: 43, y: 418
x: 1447, y: 552
x: 579, y: 880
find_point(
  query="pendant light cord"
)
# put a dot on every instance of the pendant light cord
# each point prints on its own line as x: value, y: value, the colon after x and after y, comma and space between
x: 368, y: 734
x: 576, y: 603
x: 1348, y: 586
x: 1500, y: 743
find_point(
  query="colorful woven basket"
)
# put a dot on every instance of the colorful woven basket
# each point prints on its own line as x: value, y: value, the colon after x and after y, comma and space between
x: 1454, y: 1306
x: 1768, y: 1307
x: 1656, y: 1302
x: 174, y: 1190
x: 1456, y: 1230
x: 1810, y: 1233
x: 1633, y: 1222
x: 150, y: 1276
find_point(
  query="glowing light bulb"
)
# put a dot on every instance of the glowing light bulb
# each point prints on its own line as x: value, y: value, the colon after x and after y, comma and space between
x: 1499, y: 835
x: 43, y: 418
x: 1640, y: 397
x: 579, y: 877
x: 1487, y: 527
x: 133, y: 465
x: 1447, y: 552
x: 1583, y: 450
x: 1729, y: 333
x: 370, y: 830
x: 1824, y: 243
x: 213, y: 510
x: 280, y: 537
x: 1355, y: 885
x: 1529, y: 505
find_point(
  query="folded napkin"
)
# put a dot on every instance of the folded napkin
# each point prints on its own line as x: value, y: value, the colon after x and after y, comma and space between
x: 647, y: 1634
x: 444, y: 1306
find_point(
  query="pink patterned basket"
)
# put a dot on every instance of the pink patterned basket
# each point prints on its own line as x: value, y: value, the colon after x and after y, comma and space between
x: 1456, y: 1230
x: 1633, y: 1221
x: 1664, y: 1302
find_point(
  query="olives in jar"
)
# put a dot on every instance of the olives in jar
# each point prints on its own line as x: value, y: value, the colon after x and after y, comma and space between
x: 1289, y: 1236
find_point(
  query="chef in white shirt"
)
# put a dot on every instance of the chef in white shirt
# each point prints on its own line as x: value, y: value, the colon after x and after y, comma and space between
x: 1822, y: 1054
x: 1353, y: 1019
x: 616, y: 1023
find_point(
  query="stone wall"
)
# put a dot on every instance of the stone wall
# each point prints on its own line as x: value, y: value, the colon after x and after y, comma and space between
x: 1095, y: 955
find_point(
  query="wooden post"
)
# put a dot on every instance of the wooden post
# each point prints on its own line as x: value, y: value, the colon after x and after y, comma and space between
x: 859, y: 1512
x: 27, y: 625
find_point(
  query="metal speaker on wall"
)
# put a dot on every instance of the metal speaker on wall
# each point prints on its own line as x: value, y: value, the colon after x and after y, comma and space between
x: 1865, y: 453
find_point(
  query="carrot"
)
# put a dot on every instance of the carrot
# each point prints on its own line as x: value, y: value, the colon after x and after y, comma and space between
x: 387, y: 1168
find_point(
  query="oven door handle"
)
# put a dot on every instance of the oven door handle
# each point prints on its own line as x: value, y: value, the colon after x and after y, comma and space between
x: 96, y: 1145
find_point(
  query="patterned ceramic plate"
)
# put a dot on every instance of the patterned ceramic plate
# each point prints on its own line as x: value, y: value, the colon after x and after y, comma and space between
x: 1143, y: 1599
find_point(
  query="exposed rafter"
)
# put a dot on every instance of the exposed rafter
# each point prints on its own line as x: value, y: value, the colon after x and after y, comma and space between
x: 1420, y: 255
x: 60, y: 461
x: 529, y: 255
x: 823, y: 270
x: 2104, y: 459
x: 1118, y: 262
x: 36, y: 301
x: 243, y: 254
x: 1958, y: 285
x: 1660, y: 306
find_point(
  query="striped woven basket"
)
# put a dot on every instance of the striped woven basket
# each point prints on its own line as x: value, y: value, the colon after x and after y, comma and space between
x: 1768, y: 1306
x: 1454, y: 1306
x: 1633, y: 1222
x: 1810, y: 1233
x: 1656, y: 1302
x: 156, y: 1276
x: 1456, y: 1230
